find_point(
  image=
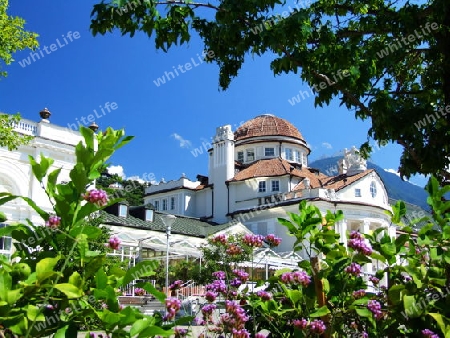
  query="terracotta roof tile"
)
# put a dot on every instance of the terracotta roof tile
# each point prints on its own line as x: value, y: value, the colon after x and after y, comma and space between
x: 267, y: 125
x: 278, y: 167
x: 341, y: 181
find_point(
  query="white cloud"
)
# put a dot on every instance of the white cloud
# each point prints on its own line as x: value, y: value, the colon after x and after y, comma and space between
x: 136, y: 178
x: 392, y: 171
x: 183, y: 143
x: 327, y: 145
x: 116, y: 169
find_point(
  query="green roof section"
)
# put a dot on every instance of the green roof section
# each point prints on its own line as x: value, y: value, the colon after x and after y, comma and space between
x: 183, y: 225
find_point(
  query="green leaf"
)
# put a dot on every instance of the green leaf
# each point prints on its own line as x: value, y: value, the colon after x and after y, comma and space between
x: 439, y: 320
x: 139, y: 326
x: 364, y: 312
x: 152, y: 331
x: 109, y: 317
x: 101, y: 279
x: 323, y: 311
x: 35, y: 314
x: 411, y: 307
x: 160, y: 296
x: 76, y: 280
x: 68, y: 331
x: 395, y: 293
x: 145, y: 268
x: 14, y: 295
x: 70, y: 290
x: 45, y: 268
x: 90, y: 231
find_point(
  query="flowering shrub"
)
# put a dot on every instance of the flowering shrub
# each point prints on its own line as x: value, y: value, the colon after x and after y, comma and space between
x: 57, y: 283
x: 56, y: 290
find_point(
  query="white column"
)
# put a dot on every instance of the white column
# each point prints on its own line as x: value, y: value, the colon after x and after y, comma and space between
x: 342, y: 230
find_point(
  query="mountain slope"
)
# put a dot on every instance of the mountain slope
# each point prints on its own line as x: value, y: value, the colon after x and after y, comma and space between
x: 396, y: 188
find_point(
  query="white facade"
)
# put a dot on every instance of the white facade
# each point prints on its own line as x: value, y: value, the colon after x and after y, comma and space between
x: 16, y: 176
x: 261, y: 172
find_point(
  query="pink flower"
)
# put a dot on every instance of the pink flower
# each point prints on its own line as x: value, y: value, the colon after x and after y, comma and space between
x: 255, y: 241
x: 139, y: 292
x: 264, y: 295
x: 359, y: 294
x: 219, y: 274
x: 222, y: 239
x: 96, y: 196
x: 176, y: 285
x: 353, y: 269
x: 173, y: 305
x: 375, y: 307
x: 210, y: 296
x: 317, y: 326
x: 374, y: 280
x: 300, y: 323
x: 357, y: 243
x: 241, y: 274
x: 273, y: 240
x: 53, y: 222
x: 114, y: 243
x: 296, y: 277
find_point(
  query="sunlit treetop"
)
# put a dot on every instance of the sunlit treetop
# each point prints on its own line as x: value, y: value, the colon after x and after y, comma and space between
x: 387, y: 61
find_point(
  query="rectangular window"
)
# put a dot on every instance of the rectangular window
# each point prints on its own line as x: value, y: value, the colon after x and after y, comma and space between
x: 269, y: 152
x: 164, y: 206
x: 357, y: 192
x: 250, y: 155
x: 288, y: 153
x: 297, y: 156
x: 156, y: 204
x: 5, y: 244
x: 240, y: 156
x: 275, y: 185
x: 262, y: 186
x: 172, y: 203
x: 122, y: 210
x: 149, y: 215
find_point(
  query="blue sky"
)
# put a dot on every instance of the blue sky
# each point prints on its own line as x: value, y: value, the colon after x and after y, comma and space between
x: 79, y: 75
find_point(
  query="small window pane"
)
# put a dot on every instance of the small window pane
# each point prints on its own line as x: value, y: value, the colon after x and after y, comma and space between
x: 262, y: 186
x: 122, y: 210
x: 149, y: 215
x: 288, y: 153
x: 357, y: 192
x: 269, y: 152
x: 172, y: 203
x: 240, y: 156
x: 164, y: 205
x: 250, y: 155
x: 275, y: 185
x: 156, y: 205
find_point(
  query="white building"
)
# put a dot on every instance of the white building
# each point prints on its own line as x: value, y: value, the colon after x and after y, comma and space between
x: 16, y: 176
x: 260, y: 171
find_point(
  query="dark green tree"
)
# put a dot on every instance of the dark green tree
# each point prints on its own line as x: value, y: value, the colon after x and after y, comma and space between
x: 387, y: 61
x: 131, y: 191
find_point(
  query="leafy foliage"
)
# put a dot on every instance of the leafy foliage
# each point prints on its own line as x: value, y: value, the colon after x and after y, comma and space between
x: 10, y: 138
x: 13, y: 36
x: 131, y: 191
x: 386, y: 61
x: 63, y: 280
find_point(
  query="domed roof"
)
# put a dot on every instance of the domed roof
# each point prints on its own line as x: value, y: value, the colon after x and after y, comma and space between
x: 267, y: 125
